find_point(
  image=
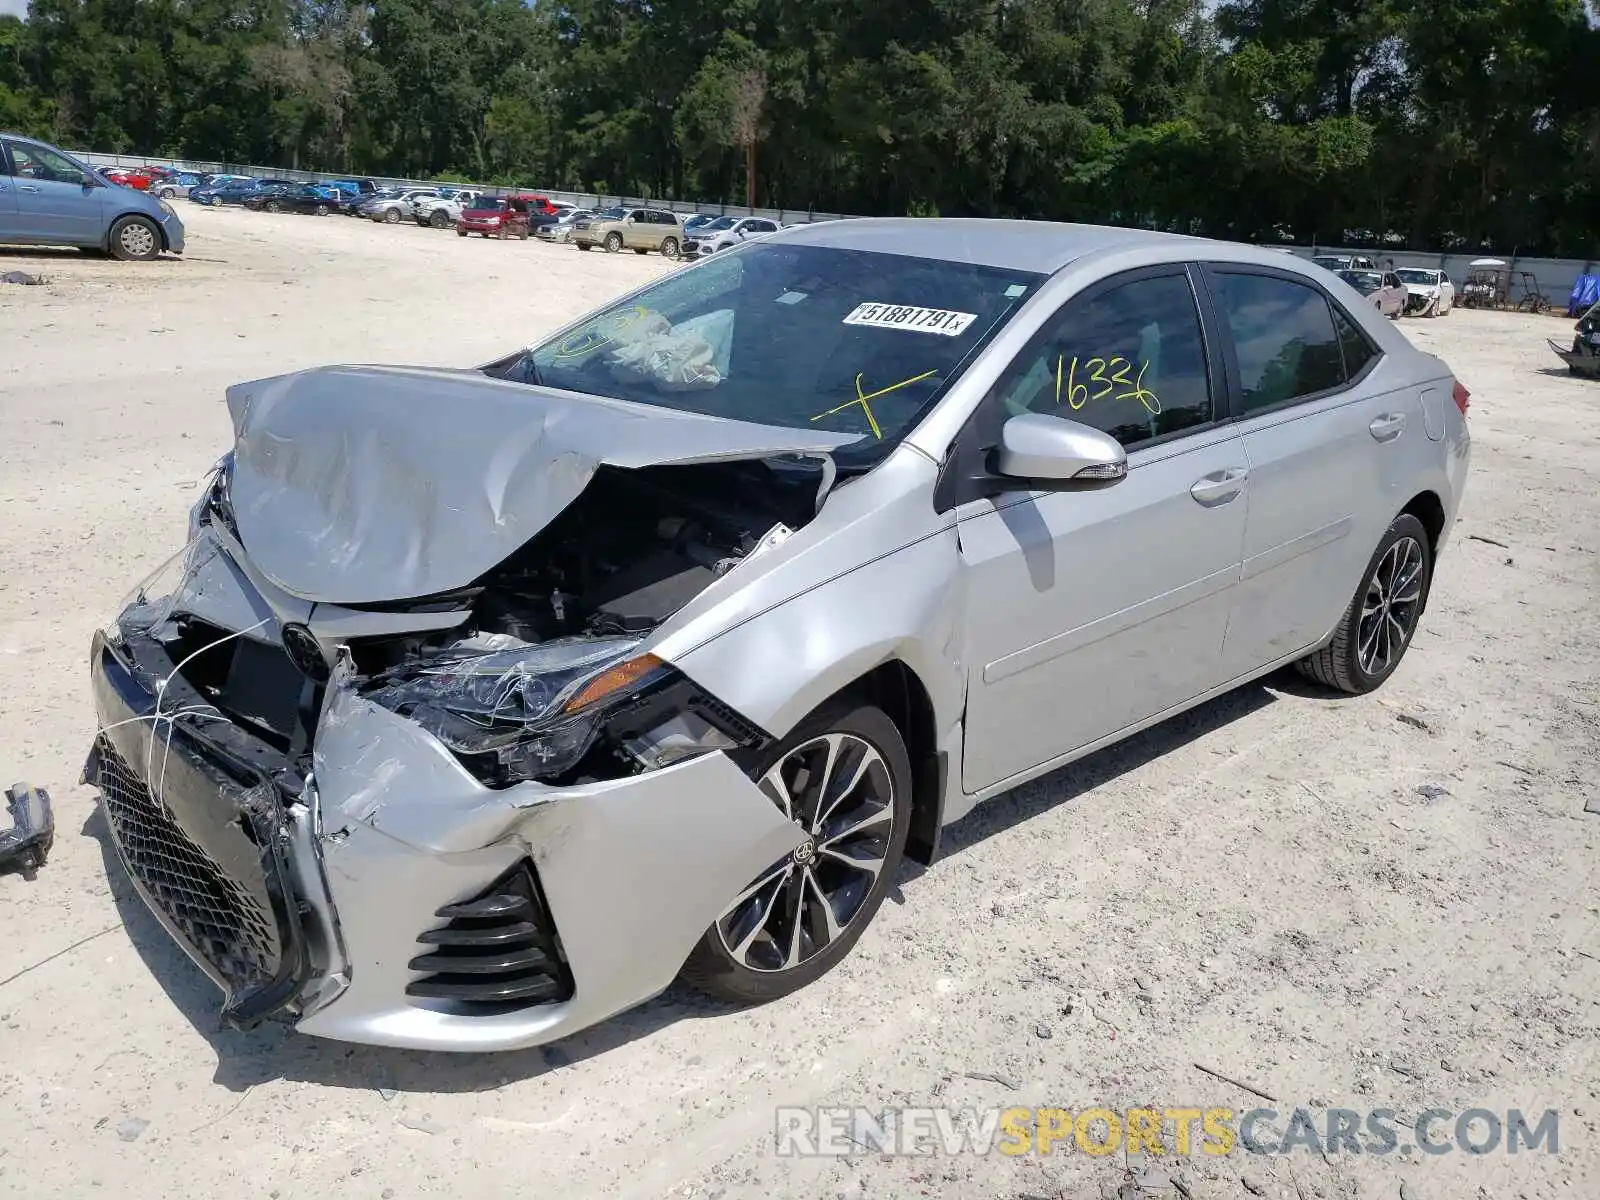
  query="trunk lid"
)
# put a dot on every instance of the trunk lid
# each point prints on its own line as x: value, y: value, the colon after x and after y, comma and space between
x: 364, y: 485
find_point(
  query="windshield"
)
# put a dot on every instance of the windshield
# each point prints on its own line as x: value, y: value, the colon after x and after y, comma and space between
x: 1415, y: 275
x: 486, y: 204
x: 1332, y: 262
x: 1362, y: 281
x: 805, y: 337
x: 721, y: 223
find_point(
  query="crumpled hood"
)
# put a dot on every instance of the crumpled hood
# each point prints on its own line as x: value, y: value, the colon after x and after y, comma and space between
x: 361, y: 485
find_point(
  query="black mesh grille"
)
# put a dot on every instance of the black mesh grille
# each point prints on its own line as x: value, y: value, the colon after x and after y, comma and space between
x: 495, y: 952
x: 218, y: 917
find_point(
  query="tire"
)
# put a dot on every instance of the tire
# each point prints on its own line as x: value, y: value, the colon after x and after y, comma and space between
x: 669, y: 248
x: 522, y: 234
x: 1344, y: 664
x: 811, y: 881
x: 272, y: 206
x: 322, y: 210
x: 461, y: 233
x: 391, y: 216
x: 613, y: 243
x: 134, y: 239
x: 167, y: 193
x: 584, y: 246
x: 439, y: 219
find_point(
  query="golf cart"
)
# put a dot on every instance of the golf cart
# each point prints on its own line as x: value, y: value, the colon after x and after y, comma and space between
x: 1584, y: 357
x: 1489, y: 284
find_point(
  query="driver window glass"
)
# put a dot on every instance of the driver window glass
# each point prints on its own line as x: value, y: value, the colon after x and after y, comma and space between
x: 35, y: 162
x: 1129, y: 361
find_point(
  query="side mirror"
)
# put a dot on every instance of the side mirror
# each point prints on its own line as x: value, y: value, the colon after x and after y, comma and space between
x: 1051, y: 451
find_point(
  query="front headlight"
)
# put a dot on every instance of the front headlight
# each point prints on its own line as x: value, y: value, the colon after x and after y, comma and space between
x: 533, y: 709
x: 167, y: 208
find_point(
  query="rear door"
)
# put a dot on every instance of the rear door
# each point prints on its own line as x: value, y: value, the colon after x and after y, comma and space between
x: 1316, y: 427
x: 53, y: 203
x: 1089, y: 611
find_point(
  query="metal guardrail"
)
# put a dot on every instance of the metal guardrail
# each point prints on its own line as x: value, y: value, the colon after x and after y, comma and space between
x: 580, y: 199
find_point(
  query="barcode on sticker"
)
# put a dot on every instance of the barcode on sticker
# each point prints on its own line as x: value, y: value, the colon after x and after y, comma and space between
x: 905, y: 316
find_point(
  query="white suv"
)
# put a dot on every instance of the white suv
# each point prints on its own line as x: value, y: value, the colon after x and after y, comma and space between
x: 439, y: 212
x: 725, y: 232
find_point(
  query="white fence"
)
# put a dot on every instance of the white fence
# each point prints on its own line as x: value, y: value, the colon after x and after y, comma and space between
x: 784, y: 216
x: 1555, y: 276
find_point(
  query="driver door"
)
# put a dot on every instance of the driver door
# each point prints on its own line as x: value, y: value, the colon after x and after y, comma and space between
x: 1092, y: 610
x: 53, y: 203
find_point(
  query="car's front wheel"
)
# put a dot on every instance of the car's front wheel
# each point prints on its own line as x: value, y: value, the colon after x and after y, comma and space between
x: 613, y: 242
x: 439, y: 219
x: 135, y: 239
x: 844, y: 778
x: 1377, y: 628
x: 391, y: 216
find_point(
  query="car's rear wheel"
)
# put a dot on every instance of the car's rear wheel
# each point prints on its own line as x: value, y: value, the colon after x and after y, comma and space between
x: 134, y: 239
x: 167, y: 193
x: 583, y: 245
x: 844, y: 778
x: 438, y: 219
x: 391, y: 216
x: 272, y: 206
x: 613, y: 242
x: 462, y: 232
x: 669, y: 247
x: 1377, y: 628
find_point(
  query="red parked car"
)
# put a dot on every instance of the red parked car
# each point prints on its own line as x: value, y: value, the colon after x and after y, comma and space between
x: 129, y: 177
x: 496, y: 216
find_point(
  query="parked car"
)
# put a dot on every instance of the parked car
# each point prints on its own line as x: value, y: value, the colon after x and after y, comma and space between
x: 236, y: 191
x: 354, y: 187
x: 638, y: 229
x: 723, y: 233
x: 728, y: 606
x: 211, y: 184
x: 441, y: 212
x: 1383, y: 288
x: 393, y: 205
x: 560, y: 230
x: 177, y: 185
x: 295, y: 198
x: 1429, y: 293
x: 49, y: 198
x: 128, y: 177
x: 1345, y: 262
x: 495, y: 216
x: 698, y: 221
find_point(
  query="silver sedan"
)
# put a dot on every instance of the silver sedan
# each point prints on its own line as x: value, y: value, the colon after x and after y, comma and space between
x: 483, y: 705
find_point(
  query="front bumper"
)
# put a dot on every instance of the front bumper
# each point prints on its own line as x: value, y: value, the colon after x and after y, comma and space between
x: 392, y: 831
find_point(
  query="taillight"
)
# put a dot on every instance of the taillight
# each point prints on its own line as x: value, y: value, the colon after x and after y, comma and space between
x: 1461, y: 395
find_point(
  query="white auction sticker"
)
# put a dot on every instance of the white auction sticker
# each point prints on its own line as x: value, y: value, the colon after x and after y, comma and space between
x: 905, y: 316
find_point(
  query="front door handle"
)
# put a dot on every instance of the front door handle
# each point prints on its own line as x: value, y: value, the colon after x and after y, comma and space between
x: 1219, y: 487
x: 1388, y: 426
x: 26, y: 187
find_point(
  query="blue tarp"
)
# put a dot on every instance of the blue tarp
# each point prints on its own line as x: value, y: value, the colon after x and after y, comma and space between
x: 1584, y: 293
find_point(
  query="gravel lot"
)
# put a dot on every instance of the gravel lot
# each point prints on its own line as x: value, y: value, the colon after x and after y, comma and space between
x: 1260, y: 887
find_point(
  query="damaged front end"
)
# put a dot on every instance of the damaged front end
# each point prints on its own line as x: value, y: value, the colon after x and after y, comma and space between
x: 316, y: 793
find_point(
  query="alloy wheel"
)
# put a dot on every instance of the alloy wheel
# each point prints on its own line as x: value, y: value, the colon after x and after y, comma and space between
x: 1390, y: 607
x: 839, y: 790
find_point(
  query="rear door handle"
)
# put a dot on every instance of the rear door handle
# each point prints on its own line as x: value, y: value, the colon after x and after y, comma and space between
x: 1388, y: 426
x: 1219, y: 487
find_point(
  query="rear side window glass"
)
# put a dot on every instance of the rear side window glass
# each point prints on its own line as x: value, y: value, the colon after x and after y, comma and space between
x: 1358, y: 352
x: 1284, y: 337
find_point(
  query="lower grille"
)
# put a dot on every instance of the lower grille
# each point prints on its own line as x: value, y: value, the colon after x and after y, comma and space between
x: 495, y: 952
x: 215, y: 914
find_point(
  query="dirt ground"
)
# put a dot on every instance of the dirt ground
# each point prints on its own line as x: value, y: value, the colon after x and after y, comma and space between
x: 1269, y: 887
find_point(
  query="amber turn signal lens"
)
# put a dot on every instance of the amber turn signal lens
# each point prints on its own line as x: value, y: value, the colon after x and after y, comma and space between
x: 614, y: 679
